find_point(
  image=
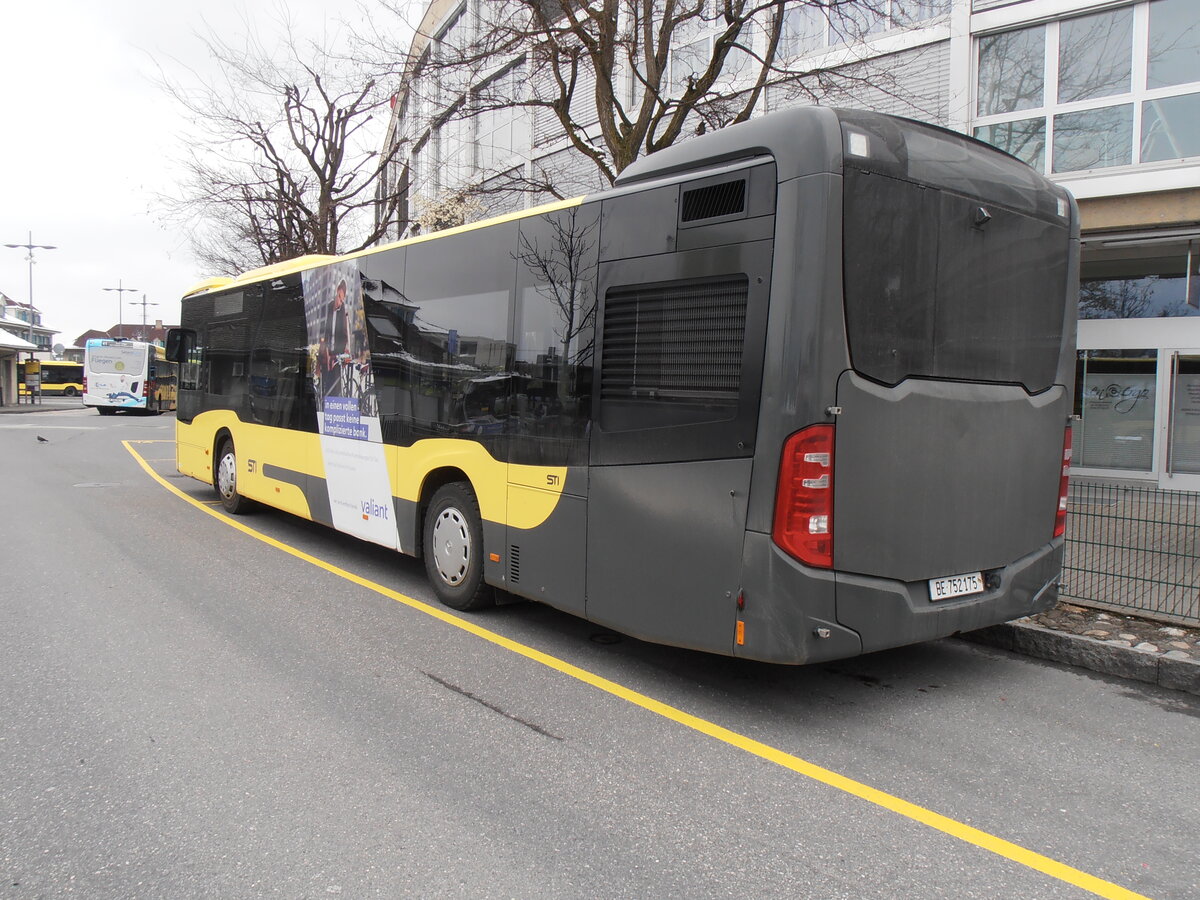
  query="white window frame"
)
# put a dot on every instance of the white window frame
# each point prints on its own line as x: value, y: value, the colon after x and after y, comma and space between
x: 1138, y: 94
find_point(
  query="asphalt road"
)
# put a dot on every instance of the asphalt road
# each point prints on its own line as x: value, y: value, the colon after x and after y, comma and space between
x: 190, y: 712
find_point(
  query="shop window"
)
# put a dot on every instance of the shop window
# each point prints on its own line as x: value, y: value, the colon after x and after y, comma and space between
x: 1115, y: 400
x: 1122, y: 279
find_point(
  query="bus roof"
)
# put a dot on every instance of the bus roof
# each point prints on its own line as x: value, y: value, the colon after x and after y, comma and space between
x: 314, y: 260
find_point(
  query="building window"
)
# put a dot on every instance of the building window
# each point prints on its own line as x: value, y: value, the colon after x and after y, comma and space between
x: 1114, y: 88
x: 1140, y: 279
x: 502, y: 128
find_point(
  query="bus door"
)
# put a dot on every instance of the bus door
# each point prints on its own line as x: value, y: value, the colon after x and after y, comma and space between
x: 680, y: 370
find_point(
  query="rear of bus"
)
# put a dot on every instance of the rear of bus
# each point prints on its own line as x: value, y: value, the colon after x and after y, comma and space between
x: 115, y: 375
x: 922, y: 491
x: 912, y: 441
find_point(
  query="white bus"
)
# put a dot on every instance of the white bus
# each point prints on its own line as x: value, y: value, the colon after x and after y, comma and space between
x: 131, y: 375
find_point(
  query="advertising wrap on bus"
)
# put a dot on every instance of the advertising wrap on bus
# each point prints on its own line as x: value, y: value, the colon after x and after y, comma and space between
x: 794, y: 390
x: 127, y: 375
x: 352, y: 451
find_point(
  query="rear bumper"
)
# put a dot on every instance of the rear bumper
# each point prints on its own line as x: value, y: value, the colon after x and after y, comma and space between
x: 795, y: 615
x: 891, y: 613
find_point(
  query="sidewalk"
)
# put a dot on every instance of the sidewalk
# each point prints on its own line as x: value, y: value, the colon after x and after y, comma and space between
x: 48, y: 404
x: 1106, y: 642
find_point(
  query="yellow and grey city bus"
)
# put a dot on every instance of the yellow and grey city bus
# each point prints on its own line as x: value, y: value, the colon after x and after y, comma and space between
x: 793, y: 391
x: 57, y: 378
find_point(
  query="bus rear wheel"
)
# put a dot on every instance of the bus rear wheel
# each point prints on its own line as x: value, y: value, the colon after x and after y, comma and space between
x: 105, y: 410
x: 69, y: 392
x: 225, y: 481
x: 453, y: 548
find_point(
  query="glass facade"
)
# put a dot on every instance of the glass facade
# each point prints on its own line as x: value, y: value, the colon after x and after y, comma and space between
x: 1094, y: 92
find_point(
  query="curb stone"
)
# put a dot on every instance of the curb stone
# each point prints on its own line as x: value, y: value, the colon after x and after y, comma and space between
x: 1090, y: 653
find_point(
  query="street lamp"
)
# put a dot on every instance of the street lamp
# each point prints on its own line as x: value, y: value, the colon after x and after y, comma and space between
x: 120, y: 289
x: 29, y: 246
x: 143, y: 304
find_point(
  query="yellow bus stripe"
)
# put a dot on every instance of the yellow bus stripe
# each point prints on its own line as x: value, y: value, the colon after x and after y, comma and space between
x: 951, y: 827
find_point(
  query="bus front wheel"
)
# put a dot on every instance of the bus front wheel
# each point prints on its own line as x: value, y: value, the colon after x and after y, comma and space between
x: 453, y: 548
x: 225, y: 481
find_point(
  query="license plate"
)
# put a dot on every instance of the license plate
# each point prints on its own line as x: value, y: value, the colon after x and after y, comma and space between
x: 955, y: 586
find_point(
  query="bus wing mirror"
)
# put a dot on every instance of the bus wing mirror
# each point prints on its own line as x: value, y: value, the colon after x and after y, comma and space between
x: 180, y: 342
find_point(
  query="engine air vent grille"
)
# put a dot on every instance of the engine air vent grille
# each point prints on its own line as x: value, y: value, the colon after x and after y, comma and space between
x: 723, y: 199
x: 514, y: 564
x: 675, y: 340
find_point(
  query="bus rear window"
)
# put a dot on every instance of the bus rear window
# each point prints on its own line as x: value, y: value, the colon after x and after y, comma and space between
x: 118, y: 359
x: 930, y: 293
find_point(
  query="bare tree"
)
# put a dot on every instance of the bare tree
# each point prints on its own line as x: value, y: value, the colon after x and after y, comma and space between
x: 618, y: 79
x: 559, y: 263
x: 1116, y: 298
x: 284, y: 157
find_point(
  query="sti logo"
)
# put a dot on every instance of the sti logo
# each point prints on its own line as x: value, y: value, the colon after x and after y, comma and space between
x: 372, y: 509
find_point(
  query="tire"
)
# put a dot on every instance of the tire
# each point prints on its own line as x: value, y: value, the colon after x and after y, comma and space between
x: 225, y: 481
x: 453, y: 548
x: 105, y: 410
x: 69, y: 392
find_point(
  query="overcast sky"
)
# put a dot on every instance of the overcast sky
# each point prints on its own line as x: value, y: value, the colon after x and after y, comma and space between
x: 89, y: 143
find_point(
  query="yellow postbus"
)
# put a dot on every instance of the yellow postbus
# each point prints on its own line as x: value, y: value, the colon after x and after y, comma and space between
x: 59, y: 378
x: 795, y: 390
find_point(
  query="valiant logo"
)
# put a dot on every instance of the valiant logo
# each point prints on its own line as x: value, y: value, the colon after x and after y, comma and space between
x: 372, y: 509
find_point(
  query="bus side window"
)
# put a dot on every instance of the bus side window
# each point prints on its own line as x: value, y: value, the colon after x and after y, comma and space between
x: 279, y: 386
x: 555, y: 338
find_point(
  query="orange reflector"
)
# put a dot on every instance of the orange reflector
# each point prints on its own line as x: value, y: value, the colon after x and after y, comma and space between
x: 741, y: 632
x: 365, y: 517
x: 494, y: 557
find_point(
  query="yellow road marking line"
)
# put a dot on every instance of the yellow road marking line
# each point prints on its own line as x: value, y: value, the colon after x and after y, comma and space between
x: 155, y: 441
x: 938, y: 822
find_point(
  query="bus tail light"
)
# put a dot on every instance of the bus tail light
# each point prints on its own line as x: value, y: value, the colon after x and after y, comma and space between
x: 1060, y: 518
x: 804, y: 498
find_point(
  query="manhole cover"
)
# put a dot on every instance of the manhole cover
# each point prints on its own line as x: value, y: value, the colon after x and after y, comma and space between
x: 96, y: 484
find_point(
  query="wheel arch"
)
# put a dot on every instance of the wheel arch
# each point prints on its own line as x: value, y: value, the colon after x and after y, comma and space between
x: 435, y: 479
x: 222, y: 435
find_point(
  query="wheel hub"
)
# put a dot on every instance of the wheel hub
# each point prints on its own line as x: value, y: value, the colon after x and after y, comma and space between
x: 452, y: 546
x: 227, y: 475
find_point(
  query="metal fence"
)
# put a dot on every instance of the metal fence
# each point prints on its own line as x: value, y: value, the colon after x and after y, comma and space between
x: 1134, y: 549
